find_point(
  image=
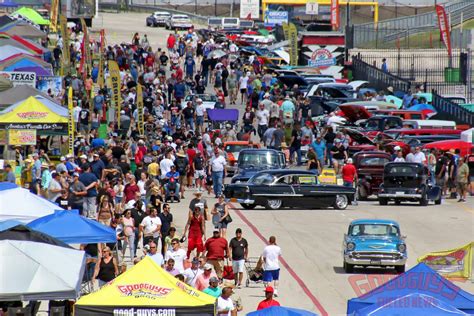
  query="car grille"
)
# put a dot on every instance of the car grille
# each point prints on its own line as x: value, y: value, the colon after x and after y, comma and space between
x: 376, y: 255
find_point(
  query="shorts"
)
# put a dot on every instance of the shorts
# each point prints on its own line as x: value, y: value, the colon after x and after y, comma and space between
x: 340, y: 162
x: 461, y: 186
x: 199, y: 174
x: 195, y: 243
x: 238, y: 266
x: 182, y: 178
x: 199, y: 120
x: 243, y: 91
x: 271, y: 275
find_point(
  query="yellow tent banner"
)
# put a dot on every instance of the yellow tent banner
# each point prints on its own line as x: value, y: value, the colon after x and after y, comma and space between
x: 32, y: 111
x: 65, y: 49
x: 114, y: 72
x: 22, y: 137
x: 293, y: 38
x: 146, y: 289
x: 286, y: 29
x: 454, y: 263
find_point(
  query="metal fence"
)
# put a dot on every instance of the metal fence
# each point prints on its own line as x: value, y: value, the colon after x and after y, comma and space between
x: 449, y: 110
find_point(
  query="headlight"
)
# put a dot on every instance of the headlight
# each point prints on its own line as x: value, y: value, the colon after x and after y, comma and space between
x: 350, y: 246
x: 402, y: 247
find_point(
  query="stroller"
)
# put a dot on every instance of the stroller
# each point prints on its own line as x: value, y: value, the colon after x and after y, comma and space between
x: 254, y: 269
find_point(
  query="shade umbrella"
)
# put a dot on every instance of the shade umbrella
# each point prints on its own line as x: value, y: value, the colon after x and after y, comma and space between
x: 281, y: 311
x: 22, y: 232
x: 31, y: 15
x: 426, y: 109
x: 8, y: 4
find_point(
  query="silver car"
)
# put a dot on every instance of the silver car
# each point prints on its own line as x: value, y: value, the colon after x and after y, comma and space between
x: 178, y: 21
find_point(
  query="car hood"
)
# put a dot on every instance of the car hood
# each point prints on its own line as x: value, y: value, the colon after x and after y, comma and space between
x: 354, y: 112
x: 376, y: 244
x: 358, y: 136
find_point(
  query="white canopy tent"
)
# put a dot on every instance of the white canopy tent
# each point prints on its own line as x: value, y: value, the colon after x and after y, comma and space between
x: 37, y: 271
x: 20, y: 204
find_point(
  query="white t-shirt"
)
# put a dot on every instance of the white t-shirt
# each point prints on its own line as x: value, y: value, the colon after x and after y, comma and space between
x: 200, y: 109
x: 262, y: 116
x: 178, y: 256
x: 271, y: 253
x: 150, y: 224
x: 225, y: 304
x: 76, y: 111
x: 243, y: 82
x: 141, y: 186
x: 158, y: 258
x: 218, y: 163
x: 191, y: 276
x: 165, y: 165
x: 419, y: 157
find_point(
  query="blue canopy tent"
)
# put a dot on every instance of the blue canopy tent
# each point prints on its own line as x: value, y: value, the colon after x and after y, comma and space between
x: 4, y: 225
x: 420, y: 279
x: 8, y: 4
x: 281, y: 311
x: 415, y: 304
x: 71, y: 228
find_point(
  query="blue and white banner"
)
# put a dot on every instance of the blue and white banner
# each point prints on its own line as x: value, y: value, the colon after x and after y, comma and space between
x: 273, y: 18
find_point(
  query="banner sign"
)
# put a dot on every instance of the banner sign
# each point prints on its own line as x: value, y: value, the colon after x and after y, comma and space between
x: 293, y: 38
x: 100, y: 77
x: 56, y: 127
x: 22, y: 137
x: 53, y: 83
x: 65, y: 49
x: 70, y: 130
x: 285, y: 31
x: 312, y: 7
x: 140, y: 117
x: 335, y: 15
x: 273, y: 18
x: 322, y: 58
x: 114, y: 72
x: 444, y: 27
x: 53, y: 17
x: 451, y: 263
x: 19, y: 78
x: 249, y: 9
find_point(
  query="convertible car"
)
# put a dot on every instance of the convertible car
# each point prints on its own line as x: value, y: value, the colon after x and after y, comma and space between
x: 275, y: 189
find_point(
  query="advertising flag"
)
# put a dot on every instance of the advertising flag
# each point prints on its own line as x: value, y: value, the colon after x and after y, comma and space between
x: 65, y: 37
x: 454, y: 263
x: 140, y: 118
x: 335, y: 15
x: 54, y: 15
x: 100, y: 77
x: 70, y: 129
x: 114, y: 72
x: 293, y: 38
x: 286, y: 31
x: 444, y: 27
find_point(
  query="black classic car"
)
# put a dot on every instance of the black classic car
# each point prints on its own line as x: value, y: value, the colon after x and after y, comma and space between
x: 274, y: 189
x: 407, y: 181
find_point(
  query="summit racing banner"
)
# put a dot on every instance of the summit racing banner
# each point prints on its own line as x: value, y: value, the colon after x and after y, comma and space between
x: 454, y: 263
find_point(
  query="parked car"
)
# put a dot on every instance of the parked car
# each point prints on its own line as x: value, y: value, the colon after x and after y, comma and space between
x: 380, y: 123
x: 374, y: 242
x: 208, y: 100
x: 233, y: 150
x: 158, y: 18
x: 178, y: 21
x: 252, y: 161
x: 370, y: 165
x: 274, y: 189
x: 407, y: 181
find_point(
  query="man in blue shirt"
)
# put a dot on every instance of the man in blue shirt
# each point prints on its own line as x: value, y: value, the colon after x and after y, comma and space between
x: 97, y: 166
x: 90, y: 181
x: 173, y: 180
x: 319, y: 146
x: 36, y: 174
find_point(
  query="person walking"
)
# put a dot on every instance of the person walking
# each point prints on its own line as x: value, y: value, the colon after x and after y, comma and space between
x: 150, y: 227
x: 91, y: 182
x: 239, y: 251
x: 177, y: 254
x: 271, y: 266
x: 106, y: 269
x: 166, y: 221
x: 218, y: 164
x: 268, y: 301
x: 220, y: 213
x: 462, y: 179
x: 129, y: 233
x: 196, y: 226
x: 216, y: 251
x: 192, y: 273
x: 225, y: 305
x: 213, y: 289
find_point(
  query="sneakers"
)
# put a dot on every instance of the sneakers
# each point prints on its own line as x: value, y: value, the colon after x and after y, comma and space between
x: 275, y: 293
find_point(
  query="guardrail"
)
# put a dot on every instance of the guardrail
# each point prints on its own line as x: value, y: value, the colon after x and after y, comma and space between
x: 447, y: 108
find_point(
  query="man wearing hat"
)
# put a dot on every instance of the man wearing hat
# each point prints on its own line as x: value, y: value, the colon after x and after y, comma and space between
x: 45, y: 179
x: 36, y: 174
x: 54, y: 188
x: 218, y: 163
x: 77, y: 191
x: 182, y: 166
x: 90, y: 181
x: 268, y: 301
x: 201, y: 203
x: 213, y: 289
x: 229, y: 134
x: 202, y: 281
x: 61, y: 166
x: 200, y: 112
x: 192, y: 273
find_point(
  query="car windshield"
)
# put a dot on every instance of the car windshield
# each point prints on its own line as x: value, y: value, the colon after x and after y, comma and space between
x: 235, y: 148
x: 371, y: 125
x: 257, y: 159
x: 262, y: 178
x: 402, y: 170
x: 374, y: 230
x: 208, y: 98
x: 180, y: 17
x: 373, y: 161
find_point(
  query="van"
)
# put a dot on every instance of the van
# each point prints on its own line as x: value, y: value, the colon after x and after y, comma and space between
x: 215, y: 23
x: 434, y: 124
x: 230, y: 23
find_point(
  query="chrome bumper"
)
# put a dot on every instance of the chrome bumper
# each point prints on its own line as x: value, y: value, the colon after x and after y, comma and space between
x: 246, y: 201
x: 375, y: 260
x: 231, y: 169
x: 404, y: 195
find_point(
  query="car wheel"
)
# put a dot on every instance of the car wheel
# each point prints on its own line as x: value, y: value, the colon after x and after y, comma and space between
x: 438, y: 201
x: 400, y: 269
x: 348, y: 268
x: 423, y: 200
x: 383, y: 201
x: 341, y: 202
x: 248, y: 206
x: 398, y: 202
x: 273, y: 204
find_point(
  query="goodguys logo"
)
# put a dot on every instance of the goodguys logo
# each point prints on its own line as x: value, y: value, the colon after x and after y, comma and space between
x: 32, y: 115
x: 143, y: 290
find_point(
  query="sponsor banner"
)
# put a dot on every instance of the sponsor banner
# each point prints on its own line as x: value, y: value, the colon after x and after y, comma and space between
x: 56, y: 127
x: 144, y: 311
x: 53, y: 17
x: 444, y: 27
x: 249, y: 9
x: 293, y: 38
x: 312, y: 7
x: 65, y: 49
x: 70, y: 130
x: 53, y: 83
x: 322, y: 58
x: 22, y: 137
x: 115, y: 82
x: 273, y: 18
x: 140, y: 118
x: 100, y: 77
x: 454, y: 263
x: 285, y: 31
x: 19, y: 78
x: 335, y: 15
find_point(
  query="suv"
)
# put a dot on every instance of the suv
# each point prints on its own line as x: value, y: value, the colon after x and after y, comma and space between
x: 252, y: 161
x: 178, y: 21
x: 407, y: 181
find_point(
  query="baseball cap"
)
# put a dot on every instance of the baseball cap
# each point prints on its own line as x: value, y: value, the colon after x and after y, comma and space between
x: 195, y: 261
x: 75, y: 174
x: 214, y: 279
x: 349, y: 160
x: 269, y: 289
x: 83, y: 157
x: 207, y: 266
x: 397, y: 148
x: 62, y: 158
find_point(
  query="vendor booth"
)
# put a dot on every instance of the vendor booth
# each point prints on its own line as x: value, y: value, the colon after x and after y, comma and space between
x: 19, y: 62
x: 31, y: 15
x: 19, y: 93
x: 146, y: 289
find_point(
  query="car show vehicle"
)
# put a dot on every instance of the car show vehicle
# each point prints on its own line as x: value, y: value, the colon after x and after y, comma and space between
x: 209, y: 101
x: 407, y: 181
x: 374, y: 243
x: 369, y: 165
x: 274, y: 189
x: 233, y: 149
x: 252, y: 161
x: 178, y: 21
x: 158, y: 18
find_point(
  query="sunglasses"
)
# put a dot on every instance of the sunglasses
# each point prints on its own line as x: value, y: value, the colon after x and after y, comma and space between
x: 152, y: 247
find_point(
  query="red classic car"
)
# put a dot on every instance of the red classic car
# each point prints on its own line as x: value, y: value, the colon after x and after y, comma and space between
x: 369, y: 165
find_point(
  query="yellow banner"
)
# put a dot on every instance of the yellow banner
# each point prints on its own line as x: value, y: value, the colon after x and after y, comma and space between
x: 22, y: 137
x: 54, y: 15
x: 293, y: 38
x: 454, y: 263
x: 285, y: 30
x: 140, y: 116
x: 100, y: 77
x: 114, y: 72
x: 65, y: 36
x: 70, y: 121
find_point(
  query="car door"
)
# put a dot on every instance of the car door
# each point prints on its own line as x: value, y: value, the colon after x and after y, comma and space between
x: 310, y: 193
x: 281, y: 189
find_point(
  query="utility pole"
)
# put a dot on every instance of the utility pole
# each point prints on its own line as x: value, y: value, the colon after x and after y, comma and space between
x: 215, y: 8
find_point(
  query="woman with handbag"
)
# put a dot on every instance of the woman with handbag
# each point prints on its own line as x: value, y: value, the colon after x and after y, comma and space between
x: 220, y: 216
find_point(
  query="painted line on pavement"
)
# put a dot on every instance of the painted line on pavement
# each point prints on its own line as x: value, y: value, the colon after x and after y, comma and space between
x: 290, y: 270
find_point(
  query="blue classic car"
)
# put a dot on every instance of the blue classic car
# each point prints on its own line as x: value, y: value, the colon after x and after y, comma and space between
x: 374, y: 242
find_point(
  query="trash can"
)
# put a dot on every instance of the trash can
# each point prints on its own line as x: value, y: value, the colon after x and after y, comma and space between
x: 452, y: 74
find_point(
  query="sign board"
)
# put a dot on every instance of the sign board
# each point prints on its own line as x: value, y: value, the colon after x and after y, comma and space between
x: 53, y: 83
x: 19, y: 78
x: 273, y: 18
x: 322, y: 58
x: 249, y: 9
x: 22, y: 137
x: 312, y: 7
x: 55, y: 127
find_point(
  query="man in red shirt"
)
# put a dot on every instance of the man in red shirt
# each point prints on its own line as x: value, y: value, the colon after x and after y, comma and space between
x: 217, y: 249
x: 131, y: 189
x: 268, y: 301
x: 349, y: 175
x: 171, y: 42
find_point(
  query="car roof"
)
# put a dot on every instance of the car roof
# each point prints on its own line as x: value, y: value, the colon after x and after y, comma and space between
x: 374, y: 221
x: 371, y: 152
x: 285, y: 172
x: 334, y: 85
